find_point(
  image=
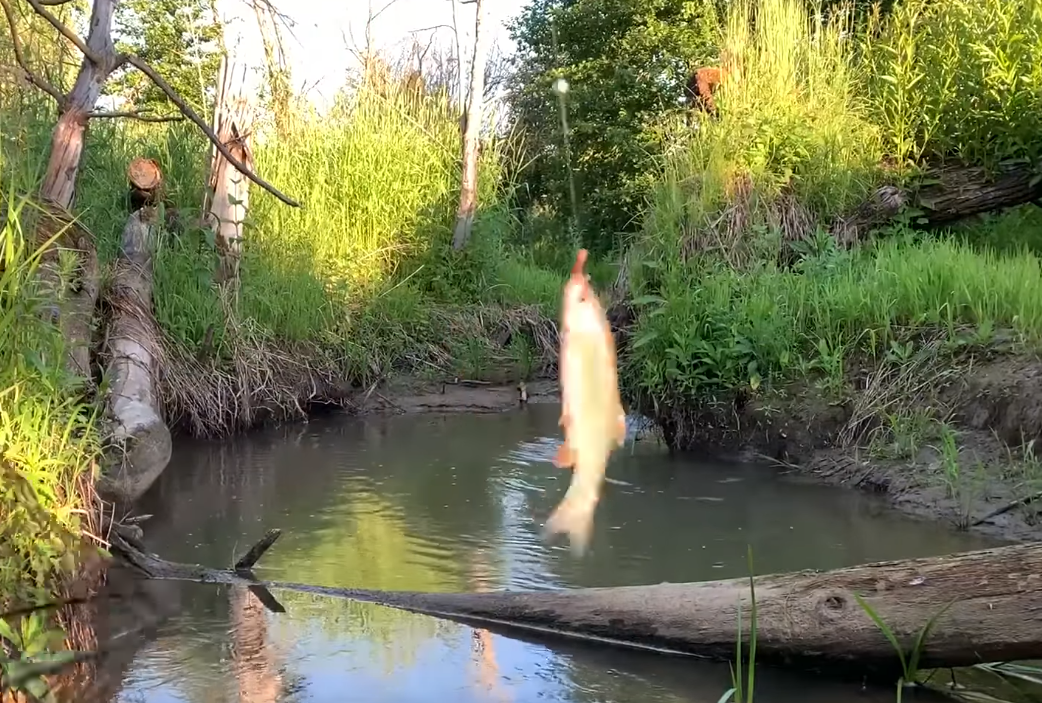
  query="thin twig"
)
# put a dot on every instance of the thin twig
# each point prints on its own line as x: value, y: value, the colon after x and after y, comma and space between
x: 40, y: 9
x: 19, y: 57
x: 139, y: 115
x: 191, y: 114
x: 1026, y: 500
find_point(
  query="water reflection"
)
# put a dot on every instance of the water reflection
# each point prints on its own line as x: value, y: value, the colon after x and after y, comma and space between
x: 456, y: 503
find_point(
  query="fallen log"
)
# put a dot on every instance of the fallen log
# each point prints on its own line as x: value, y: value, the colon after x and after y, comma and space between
x: 944, y: 195
x: 985, y: 606
x: 132, y: 347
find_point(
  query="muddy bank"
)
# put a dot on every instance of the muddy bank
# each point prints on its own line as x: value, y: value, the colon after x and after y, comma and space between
x: 406, y: 395
x: 957, y: 443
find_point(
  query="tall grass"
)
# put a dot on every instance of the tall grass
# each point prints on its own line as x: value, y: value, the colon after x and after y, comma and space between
x: 958, y: 79
x: 810, y: 111
x: 792, y: 144
x: 48, y: 446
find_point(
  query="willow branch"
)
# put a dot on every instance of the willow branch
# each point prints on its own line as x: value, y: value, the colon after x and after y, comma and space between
x: 39, y: 6
x: 19, y: 57
x: 193, y: 117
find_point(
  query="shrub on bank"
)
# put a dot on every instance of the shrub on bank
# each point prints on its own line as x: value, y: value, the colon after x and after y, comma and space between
x: 732, y: 330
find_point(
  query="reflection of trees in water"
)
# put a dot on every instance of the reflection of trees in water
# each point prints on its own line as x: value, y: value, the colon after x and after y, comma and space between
x: 365, y: 543
x: 253, y: 661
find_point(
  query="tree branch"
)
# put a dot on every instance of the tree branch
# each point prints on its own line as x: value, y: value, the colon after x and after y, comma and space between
x: 193, y: 117
x: 19, y: 57
x: 40, y: 9
x: 140, y: 115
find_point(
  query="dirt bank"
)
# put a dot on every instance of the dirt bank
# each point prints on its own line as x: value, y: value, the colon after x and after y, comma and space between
x: 407, y: 395
x: 948, y: 442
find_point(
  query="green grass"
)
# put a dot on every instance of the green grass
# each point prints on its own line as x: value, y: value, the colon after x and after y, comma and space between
x: 738, y: 281
x: 957, y: 79
x: 793, y: 143
x: 48, y: 446
x: 726, y: 330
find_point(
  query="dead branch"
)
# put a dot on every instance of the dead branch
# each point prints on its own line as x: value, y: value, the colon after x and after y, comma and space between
x: 139, y: 115
x: 199, y: 122
x: 253, y: 555
x: 19, y: 57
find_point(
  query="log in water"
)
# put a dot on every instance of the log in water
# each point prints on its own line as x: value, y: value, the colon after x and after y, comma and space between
x: 984, y: 606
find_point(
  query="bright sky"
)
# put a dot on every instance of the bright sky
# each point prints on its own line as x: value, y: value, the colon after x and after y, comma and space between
x: 317, y: 49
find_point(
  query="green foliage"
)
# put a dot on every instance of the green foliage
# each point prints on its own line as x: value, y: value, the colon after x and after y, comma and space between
x: 909, y: 660
x: 800, y: 139
x: 47, y: 441
x: 181, y: 40
x: 792, y: 146
x: 627, y: 63
x: 708, y: 333
x: 34, y: 642
x: 958, y: 79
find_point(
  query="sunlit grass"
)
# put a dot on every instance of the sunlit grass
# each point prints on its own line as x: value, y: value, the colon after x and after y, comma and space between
x: 727, y: 330
x: 48, y: 447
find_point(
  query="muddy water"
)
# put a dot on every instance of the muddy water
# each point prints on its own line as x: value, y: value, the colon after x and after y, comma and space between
x: 455, y: 503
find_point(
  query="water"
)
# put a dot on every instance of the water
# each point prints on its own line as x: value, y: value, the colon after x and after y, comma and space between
x: 456, y: 503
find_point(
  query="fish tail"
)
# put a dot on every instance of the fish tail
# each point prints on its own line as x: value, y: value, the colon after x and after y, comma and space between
x: 573, y: 517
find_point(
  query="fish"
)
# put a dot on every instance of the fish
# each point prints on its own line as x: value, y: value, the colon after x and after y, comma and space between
x: 592, y: 416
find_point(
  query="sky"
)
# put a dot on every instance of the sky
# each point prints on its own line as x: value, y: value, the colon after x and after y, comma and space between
x: 317, y: 48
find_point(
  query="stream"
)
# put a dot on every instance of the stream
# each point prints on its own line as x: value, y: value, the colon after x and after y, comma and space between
x: 456, y: 503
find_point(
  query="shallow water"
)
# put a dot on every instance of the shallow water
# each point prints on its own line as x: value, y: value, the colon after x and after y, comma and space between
x: 456, y: 503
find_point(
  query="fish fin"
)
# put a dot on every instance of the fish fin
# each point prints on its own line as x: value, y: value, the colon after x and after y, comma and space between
x: 573, y: 517
x: 620, y: 429
x: 564, y: 458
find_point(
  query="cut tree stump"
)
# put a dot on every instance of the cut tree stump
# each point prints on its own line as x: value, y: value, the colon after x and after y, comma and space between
x: 986, y: 606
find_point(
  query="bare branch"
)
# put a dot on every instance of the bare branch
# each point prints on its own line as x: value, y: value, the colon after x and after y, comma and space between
x: 193, y: 117
x: 54, y: 3
x: 19, y: 57
x: 40, y: 9
x: 372, y: 17
x: 140, y: 115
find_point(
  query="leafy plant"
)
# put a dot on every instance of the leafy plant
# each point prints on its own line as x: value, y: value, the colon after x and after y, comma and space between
x: 909, y: 660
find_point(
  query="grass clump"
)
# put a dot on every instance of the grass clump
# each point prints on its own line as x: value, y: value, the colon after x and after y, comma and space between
x: 957, y: 79
x: 48, y: 443
x: 793, y: 144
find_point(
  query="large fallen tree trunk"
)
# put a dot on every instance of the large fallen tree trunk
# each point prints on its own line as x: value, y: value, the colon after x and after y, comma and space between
x: 985, y: 606
x: 132, y: 346
x: 946, y: 194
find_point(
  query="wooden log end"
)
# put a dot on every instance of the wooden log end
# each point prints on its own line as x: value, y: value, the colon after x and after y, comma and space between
x: 144, y: 174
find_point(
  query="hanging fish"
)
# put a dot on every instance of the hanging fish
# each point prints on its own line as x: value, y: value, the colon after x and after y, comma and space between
x: 592, y: 416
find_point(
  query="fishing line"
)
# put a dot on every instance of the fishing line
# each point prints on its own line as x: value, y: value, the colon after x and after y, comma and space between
x: 560, y: 88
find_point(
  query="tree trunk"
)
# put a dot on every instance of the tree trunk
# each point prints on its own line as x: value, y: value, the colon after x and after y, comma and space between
x: 468, y: 196
x: 132, y: 345
x: 59, y: 182
x: 951, y: 193
x: 231, y: 189
x: 73, y: 310
x: 990, y: 601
